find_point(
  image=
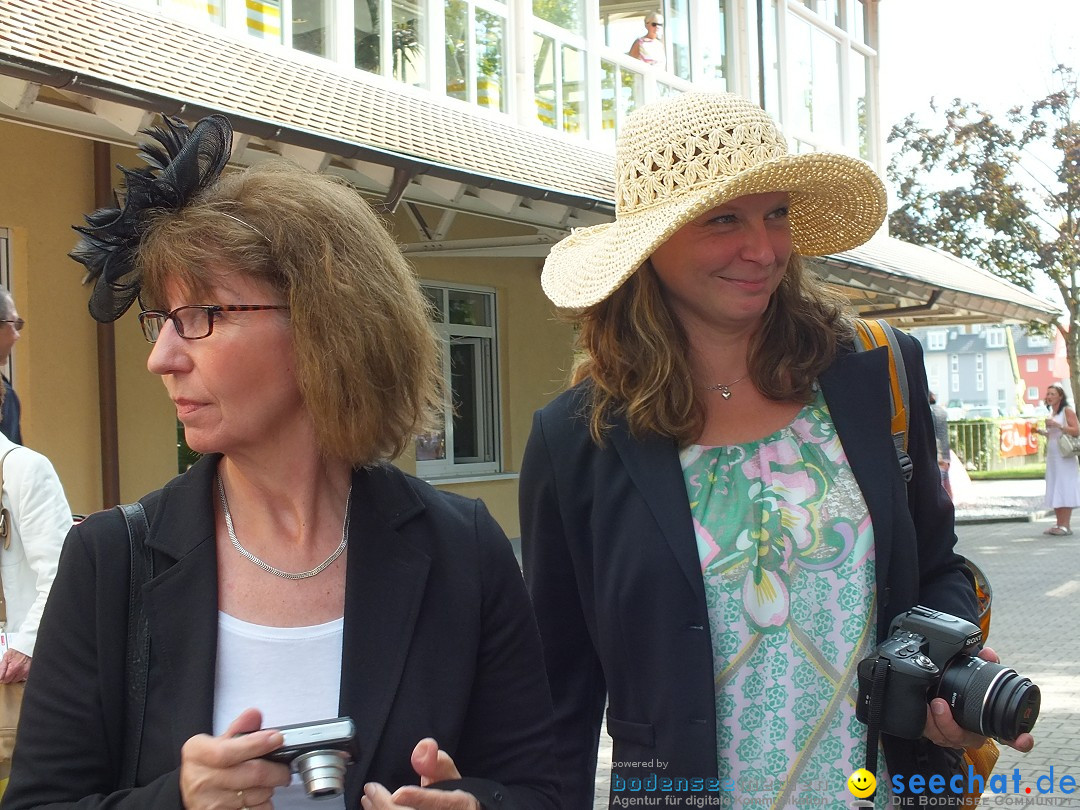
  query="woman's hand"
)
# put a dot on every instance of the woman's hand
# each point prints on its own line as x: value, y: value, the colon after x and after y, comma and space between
x: 225, y: 773
x: 432, y: 765
x: 941, y: 729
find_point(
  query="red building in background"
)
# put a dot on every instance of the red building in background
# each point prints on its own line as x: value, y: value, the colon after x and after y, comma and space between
x: 1041, y: 361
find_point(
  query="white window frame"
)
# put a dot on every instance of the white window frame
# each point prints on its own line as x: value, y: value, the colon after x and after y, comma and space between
x: 954, y: 364
x: 1033, y: 392
x: 936, y: 340
x: 488, y: 393
x: 980, y: 382
x: 1031, y: 364
x: 995, y: 338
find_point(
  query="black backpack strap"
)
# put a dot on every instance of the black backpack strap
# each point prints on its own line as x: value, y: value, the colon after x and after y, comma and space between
x: 138, y: 641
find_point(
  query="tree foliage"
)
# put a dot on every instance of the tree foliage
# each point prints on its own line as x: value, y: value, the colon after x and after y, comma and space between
x: 1004, y: 192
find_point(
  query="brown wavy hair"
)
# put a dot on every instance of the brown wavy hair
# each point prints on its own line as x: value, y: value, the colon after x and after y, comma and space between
x: 367, y: 356
x: 637, y: 356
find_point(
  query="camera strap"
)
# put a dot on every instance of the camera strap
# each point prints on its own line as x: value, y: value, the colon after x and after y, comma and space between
x: 873, y: 720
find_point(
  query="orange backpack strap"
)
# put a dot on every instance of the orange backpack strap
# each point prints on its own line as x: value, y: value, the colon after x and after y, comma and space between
x: 870, y: 335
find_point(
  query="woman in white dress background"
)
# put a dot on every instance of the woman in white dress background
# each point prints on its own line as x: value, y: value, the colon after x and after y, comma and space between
x: 1062, y: 472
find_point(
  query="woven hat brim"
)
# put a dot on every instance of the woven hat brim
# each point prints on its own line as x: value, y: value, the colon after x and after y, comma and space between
x: 837, y: 203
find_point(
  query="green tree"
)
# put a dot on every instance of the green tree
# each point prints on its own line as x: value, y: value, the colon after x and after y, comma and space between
x: 1003, y: 192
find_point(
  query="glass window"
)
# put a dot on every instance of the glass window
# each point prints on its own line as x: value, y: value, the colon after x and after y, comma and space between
x: 264, y: 19
x: 309, y: 28
x: 711, y: 19
x: 544, y: 80
x: 475, y: 55
x: 995, y: 338
x: 1037, y: 340
x: 1032, y: 392
x: 621, y: 92
x: 1031, y: 364
x: 366, y: 40
x: 573, y: 90
x: 677, y: 37
x: 980, y: 382
x: 567, y: 14
x: 979, y: 362
x: 935, y: 341
x: 954, y: 363
x: 409, y: 44
x: 860, y: 67
x: 467, y: 439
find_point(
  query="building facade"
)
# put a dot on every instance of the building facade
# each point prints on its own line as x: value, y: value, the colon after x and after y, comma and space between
x: 483, y: 130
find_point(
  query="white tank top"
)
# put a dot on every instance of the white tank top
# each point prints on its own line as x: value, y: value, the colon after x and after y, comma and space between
x: 291, y: 674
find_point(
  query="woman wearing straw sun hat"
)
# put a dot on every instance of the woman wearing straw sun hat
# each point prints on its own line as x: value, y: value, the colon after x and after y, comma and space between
x: 715, y: 527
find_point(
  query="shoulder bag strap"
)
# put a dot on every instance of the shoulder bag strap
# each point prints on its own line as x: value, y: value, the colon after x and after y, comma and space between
x: 138, y: 641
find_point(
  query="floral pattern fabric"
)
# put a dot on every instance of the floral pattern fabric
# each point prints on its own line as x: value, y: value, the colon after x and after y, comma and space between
x: 787, y: 557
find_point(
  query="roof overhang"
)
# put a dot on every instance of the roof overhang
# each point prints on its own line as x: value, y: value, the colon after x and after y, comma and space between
x: 97, y: 69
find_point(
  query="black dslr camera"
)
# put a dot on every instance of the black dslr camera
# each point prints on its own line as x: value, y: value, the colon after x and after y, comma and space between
x: 319, y: 752
x: 931, y: 654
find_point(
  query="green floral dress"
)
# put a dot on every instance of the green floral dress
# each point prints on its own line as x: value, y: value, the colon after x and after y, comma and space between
x: 787, y: 557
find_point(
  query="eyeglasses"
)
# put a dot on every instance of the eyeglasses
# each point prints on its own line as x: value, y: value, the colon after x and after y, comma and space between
x: 192, y: 322
x: 18, y: 323
x: 657, y: 25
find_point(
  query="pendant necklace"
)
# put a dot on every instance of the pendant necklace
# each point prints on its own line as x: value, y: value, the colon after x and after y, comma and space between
x: 265, y: 566
x: 725, y: 390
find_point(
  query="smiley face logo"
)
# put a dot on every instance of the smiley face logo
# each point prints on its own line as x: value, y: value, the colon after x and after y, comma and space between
x: 861, y: 783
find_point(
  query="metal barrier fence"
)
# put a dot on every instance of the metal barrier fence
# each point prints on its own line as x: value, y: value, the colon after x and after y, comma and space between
x: 997, y: 444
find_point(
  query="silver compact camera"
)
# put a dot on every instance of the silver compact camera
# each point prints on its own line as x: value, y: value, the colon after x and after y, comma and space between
x: 318, y: 752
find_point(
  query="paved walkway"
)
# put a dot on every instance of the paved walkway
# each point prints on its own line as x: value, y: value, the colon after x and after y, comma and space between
x: 1035, y: 630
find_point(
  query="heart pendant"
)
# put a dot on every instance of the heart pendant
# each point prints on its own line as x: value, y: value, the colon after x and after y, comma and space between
x: 725, y: 392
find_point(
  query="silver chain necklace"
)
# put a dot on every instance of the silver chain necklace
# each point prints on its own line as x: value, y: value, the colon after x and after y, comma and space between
x: 725, y: 390
x: 265, y: 566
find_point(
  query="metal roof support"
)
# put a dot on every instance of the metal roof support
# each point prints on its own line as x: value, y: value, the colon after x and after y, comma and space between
x: 402, y: 178
x: 912, y: 310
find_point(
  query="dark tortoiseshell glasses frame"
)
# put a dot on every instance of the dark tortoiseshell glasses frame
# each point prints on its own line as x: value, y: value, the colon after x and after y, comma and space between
x: 193, y: 322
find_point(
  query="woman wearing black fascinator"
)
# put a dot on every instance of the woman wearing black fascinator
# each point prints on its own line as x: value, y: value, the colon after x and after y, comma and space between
x: 295, y: 575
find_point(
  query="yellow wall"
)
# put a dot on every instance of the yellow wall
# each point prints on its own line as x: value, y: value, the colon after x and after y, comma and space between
x: 47, y: 186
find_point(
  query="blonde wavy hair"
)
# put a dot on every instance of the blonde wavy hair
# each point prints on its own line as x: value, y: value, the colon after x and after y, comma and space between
x: 367, y: 357
x: 636, y: 355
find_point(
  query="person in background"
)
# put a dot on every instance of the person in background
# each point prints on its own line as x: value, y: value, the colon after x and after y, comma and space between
x: 38, y: 521
x: 715, y: 525
x: 649, y: 47
x: 941, y: 435
x: 11, y: 326
x: 297, y: 575
x: 1062, y: 473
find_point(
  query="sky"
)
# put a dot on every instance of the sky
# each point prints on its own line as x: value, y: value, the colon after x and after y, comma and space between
x: 997, y: 53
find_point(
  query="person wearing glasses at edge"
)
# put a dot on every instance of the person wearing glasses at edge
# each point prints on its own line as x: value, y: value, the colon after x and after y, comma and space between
x: 649, y: 48
x: 715, y: 525
x: 10, y: 332
x: 297, y: 575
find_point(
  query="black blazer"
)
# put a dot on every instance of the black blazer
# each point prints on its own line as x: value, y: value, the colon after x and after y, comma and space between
x: 612, y: 566
x: 439, y: 640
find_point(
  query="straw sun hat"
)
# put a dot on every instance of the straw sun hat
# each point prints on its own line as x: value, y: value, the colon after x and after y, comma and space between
x: 677, y: 159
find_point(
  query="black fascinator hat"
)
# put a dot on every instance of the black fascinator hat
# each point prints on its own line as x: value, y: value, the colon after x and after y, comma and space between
x: 183, y: 162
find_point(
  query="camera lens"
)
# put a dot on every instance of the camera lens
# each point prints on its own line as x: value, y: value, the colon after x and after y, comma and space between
x: 323, y: 772
x: 988, y: 698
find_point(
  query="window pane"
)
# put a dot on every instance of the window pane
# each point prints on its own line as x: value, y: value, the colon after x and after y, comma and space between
x: 773, y: 104
x: 573, y: 90
x: 469, y: 308
x: 568, y: 14
x: 712, y: 18
x: 464, y: 383
x: 826, y: 90
x: 544, y: 79
x: 309, y: 26
x: 859, y: 81
x: 264, y: 19
x: 456, y: 19
x: 435, y: 298
x: 609, y: 99
x: 490, y: 60
x: 677, y: 35
x: 366, y: 35
x: 410, y: 49
x: 632, y: 91
x: 431, y: 446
